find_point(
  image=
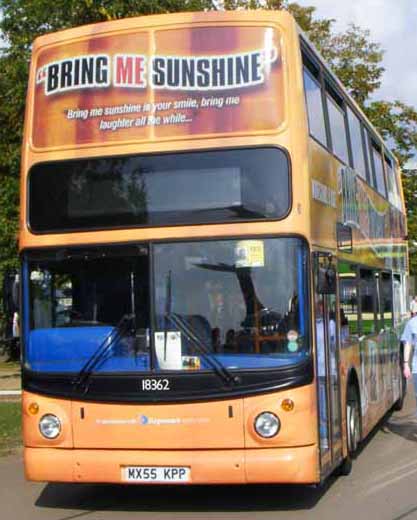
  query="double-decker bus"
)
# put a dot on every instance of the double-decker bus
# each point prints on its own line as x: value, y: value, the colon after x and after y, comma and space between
x: 213, y: 254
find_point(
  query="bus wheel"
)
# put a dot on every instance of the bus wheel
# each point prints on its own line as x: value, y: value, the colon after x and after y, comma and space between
x: 353, y: 429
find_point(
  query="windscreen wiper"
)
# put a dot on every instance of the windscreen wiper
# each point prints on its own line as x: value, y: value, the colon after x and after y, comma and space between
x: 215, y: 364
x: 84, y: 375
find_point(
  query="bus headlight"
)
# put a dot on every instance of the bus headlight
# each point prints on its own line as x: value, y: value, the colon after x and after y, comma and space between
x: 50, y: 426
x: 267, y: 425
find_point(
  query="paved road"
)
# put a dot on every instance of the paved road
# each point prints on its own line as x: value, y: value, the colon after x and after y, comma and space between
x: 383, y: 485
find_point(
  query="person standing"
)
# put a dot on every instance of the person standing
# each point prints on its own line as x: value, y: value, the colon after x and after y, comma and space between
x: 413, y: 306
x: 409, y: 338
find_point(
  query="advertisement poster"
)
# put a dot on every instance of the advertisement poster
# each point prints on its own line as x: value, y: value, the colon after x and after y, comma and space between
x: 149, y: 85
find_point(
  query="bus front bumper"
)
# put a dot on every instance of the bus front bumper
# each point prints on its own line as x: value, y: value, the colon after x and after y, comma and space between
x: 250, y: 466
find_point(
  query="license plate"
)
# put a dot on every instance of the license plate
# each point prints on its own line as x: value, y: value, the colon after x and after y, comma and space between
x: 161, y: 474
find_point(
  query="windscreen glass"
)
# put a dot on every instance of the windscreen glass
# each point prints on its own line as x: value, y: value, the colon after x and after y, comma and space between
x: 80, y: 302
x: 241, y: 300
x: 238, y: 303
x: 184, y: 188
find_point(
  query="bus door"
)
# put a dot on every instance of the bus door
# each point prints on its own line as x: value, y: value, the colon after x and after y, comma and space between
x: 327, y: 362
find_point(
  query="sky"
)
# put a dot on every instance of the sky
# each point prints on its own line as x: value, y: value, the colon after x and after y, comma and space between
x: 393, y: 24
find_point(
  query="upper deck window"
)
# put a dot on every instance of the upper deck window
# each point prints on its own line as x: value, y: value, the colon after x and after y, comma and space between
x: 159, y: 190
x: 357, y: 143
x: 314, y: 107
x: 379, y: 170
x: 392, y: 181
x: 337, y: 127
x: 370, y: 175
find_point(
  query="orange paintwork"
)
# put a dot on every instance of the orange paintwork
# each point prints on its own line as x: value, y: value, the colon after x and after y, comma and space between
x: 31, y: 434
x: 298, y: 427
x: 199, y: 435
x: 255, y: 108
x: 156, y: 426
x: 174, y: 426
x: 275, y: 465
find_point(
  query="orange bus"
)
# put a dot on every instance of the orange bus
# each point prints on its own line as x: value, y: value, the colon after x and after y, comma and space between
x: 213, y: 252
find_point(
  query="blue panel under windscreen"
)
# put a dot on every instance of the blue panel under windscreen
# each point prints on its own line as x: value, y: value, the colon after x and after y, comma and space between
x: 68, y: 349
x: 253, y: 361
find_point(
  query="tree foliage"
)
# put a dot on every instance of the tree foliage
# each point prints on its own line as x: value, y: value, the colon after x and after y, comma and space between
x: 397, y: 123
x: 410, y: 193
x: 355, y: 59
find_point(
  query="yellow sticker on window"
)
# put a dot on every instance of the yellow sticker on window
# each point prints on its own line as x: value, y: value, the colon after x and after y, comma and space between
x: 250, y: 253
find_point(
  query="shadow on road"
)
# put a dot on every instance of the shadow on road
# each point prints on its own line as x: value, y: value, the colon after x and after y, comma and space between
x: 406, y: 427
x: 404, y: 423
x: 107, y: 497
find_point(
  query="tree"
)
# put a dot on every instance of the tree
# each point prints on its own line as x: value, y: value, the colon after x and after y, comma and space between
x: 356, y: 60
x: 397, y: 123
x: 410, y: 193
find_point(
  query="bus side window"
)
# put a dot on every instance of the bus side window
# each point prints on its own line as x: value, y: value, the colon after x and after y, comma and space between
x: 399, y: 289
x: 370, y: 177
x: 396, y: 299
x: 393, y: 192
x: 315, y: 108
x: 385, y: 288
x: 379, y: 169
x: 367, y: 292
x: 356, y: 140
x: 348, y: 294
x: 337, y: 121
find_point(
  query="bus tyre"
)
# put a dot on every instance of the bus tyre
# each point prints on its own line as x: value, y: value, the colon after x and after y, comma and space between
x: 353, y: 429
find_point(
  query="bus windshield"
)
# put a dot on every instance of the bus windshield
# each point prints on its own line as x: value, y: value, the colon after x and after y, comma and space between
x: 241, y: 302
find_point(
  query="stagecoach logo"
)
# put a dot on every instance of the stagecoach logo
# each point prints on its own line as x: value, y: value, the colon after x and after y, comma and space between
x: 144, y: 420
x: 137, y: 71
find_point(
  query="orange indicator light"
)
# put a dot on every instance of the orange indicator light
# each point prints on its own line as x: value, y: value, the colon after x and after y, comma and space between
x: 287, y: 405
x: 33, y: 408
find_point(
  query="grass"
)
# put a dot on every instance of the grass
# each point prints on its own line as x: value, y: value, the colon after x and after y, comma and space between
x: 6, y: 366
x: 10, y: 429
